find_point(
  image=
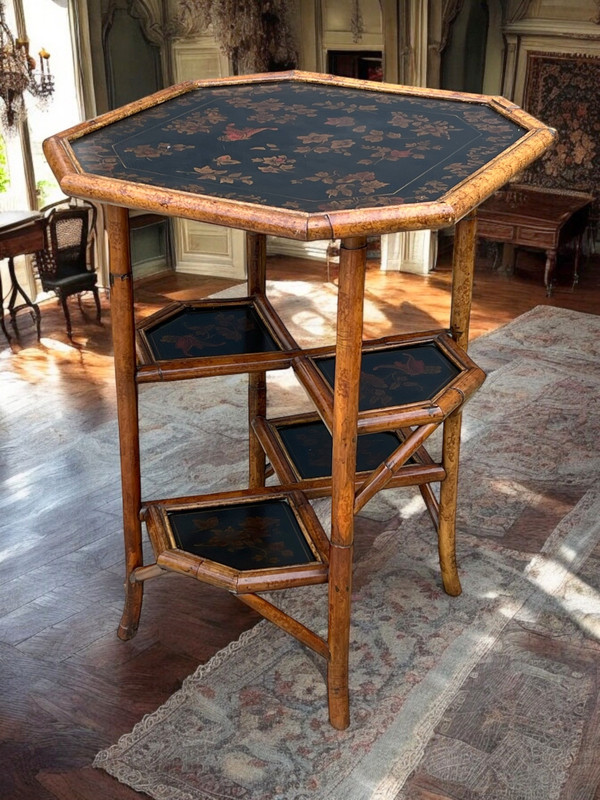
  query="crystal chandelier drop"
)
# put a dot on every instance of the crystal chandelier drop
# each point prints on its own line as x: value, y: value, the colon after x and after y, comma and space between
x: 18, y: 73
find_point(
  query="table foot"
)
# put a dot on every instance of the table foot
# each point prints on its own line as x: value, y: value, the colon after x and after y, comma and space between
x: 339, y: 707
x: 16, y: 291
x: 35, y: 316
x: 131, y: 613
x: 549, y: 270
x: 451, y: 582
x: 4, y: 328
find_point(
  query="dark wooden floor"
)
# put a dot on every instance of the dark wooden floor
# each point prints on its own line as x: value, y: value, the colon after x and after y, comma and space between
x: 69, y: 687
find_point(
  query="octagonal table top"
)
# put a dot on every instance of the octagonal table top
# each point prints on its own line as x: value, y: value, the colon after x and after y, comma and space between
x: 301, y: 155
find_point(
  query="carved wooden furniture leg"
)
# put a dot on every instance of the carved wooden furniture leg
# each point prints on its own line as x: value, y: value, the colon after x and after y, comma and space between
x: 549, y: 270
x: 353, y: 256
x: 577, y: 259
x: 256, y: 262
x: 462, y: 292
x: 2, y: 323
x: 123, y: 332
x: 16, y: 290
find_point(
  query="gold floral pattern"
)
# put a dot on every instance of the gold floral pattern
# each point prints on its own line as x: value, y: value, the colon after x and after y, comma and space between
x: 257, y: 535
x: 296, y: 145
x: 398, y: 375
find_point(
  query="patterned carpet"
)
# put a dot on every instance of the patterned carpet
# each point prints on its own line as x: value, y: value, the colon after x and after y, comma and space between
x: 493, y: 694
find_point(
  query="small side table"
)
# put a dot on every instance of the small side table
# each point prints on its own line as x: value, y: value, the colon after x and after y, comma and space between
x: 312, y: 158
x: 21, y: 232
x: 532, y: 216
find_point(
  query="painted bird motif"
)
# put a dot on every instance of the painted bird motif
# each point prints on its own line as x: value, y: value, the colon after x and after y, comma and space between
x: 233, y: 134
x: 412, y: 366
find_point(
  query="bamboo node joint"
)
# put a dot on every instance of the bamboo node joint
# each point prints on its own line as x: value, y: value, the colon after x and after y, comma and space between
x: 122, y: 276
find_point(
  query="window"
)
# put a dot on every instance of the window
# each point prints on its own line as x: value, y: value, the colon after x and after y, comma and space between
x: 30, y: 180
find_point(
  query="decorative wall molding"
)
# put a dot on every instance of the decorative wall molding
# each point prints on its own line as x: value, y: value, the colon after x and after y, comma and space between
x: 414, y: 251
x: 553, y: 27
x: 150, y: 15
x: 517, y: 10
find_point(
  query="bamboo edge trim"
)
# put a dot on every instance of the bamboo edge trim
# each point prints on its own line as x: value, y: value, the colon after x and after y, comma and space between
x: 292, y: 224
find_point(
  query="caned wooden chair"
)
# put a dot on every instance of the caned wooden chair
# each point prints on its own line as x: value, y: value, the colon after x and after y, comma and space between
x: 66, y: 265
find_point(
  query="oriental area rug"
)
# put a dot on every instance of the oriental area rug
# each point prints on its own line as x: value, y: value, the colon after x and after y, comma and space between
x: 492, y: 694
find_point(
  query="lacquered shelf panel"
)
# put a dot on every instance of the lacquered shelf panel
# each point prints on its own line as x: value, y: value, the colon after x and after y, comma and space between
x: 405, y: 380
x: 212, y: 337
x: 249, y: 540
x: 299, y: 448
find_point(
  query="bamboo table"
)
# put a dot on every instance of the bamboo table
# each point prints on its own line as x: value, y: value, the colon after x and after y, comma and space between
x: 307, y: 157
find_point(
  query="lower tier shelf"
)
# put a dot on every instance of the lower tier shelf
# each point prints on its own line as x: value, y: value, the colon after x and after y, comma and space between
x: 299, y: 449
x: 246, y: 541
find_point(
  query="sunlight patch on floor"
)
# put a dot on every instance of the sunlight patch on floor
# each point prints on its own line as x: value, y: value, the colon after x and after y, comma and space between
x: 578, y: 599
x: 57, y: 346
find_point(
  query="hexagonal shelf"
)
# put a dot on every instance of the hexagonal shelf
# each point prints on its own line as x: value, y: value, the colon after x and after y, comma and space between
x: 299, y: 449
x: 405, y: 380
x: 308, y: 444
x: 212, y: 337
x: 249, y: 542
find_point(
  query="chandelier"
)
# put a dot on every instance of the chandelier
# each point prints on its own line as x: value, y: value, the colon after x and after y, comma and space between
x: 18, y: 73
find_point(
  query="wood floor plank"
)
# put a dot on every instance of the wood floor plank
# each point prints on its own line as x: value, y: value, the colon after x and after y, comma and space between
x: 83, y: 784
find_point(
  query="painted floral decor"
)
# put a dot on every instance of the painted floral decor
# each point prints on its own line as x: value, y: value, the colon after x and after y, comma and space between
x: 194, y: 332
x: 248, y: 536
x: 397, y: 376
x: 301, y: 146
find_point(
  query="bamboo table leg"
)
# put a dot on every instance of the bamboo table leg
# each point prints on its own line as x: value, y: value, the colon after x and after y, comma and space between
x: 462, y: 292
x: 256, y: 260
x: 353, y: 257
x: 463, y: 268
x: 448, y: 498
x: 123, y: 332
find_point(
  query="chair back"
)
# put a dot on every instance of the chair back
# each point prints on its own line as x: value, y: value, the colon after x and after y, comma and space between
x: 69, y: 233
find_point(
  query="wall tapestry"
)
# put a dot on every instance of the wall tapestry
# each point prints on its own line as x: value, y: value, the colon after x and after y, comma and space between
x: 562, y: 91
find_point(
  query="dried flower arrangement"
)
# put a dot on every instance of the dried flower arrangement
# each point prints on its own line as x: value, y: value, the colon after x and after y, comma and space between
x: 256, y: 36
